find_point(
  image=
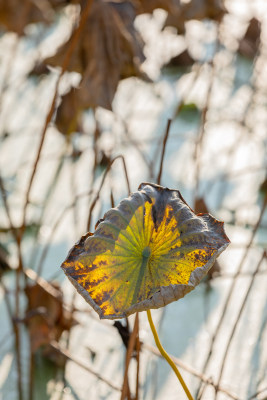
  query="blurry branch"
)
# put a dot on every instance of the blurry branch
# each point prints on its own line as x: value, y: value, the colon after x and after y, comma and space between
x: 68, y: 332
x: 112, y: 202
x: 231, y: 290
x: 138, y: 148
x: 31, y: 274
x: 55, y: 345
x: 201, y: 133
x: 48, y: 119
x: 228, y: 174
x: 163, y: 150
x: 17, y: 339
x: 256, y: 395
x: 138, y: 350
x: 192, y: 371
x: 4, y: 197
x: 239, y: 316
x: 49, y: 116
x: 154, y: 350
x: 4, y: 339
x: 54, y: 228
x: 47, y: 198
x: 74, y: 190
x: 102, y: 183
x: 8, y: 304
x: 14, y: 325
x: 130, y: 349
x: 180, y: 105
x: 9, y: 69
x: 231, y: 276
x: 95, y: 144
x: 244, y: 171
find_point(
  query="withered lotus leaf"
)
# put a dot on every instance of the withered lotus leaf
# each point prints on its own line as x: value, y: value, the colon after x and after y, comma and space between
x: 109, y: 49
x: 15, y: 15
x: 149, y: 251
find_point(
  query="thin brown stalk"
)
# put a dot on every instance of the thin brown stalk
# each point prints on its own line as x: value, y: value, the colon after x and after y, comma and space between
x: 102, y: 183
x: 129, y: 352
x: 138, y: 148
x: 138, y: 349
x: 230, y: 293
x: 201, y: 134
x: 95, y: 140
x: 163, y: 150
x: 55, y: 345
x: 74, y: 194
x: 186, y: 94
x: 112, y: 199
x: 226, y: 353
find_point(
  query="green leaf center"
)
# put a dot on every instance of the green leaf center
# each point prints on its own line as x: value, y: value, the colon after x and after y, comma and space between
x: 146, y: 252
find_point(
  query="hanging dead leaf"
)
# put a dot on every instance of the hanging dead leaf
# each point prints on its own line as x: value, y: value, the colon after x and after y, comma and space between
x: 195, y: 9
x: 149, y: 251
x: 67, y: 118
x: 204, y: 9
x: 46, y: 316
x: 16, y: 14
x: 148, y: 6
x: 249, y: 44
x: 110, y: 49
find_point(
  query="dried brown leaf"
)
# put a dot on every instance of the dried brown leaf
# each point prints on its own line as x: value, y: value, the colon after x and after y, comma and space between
x: 195, y: 9
x: 110, y: 49
x: 202, y: 9
x: 249, y: 44
x: 16, y: 14
x: 148, y: 6
x: 68, y: 113
x: 46, y: 316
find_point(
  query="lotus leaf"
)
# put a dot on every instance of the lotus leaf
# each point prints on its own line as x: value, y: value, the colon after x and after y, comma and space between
x: 149, y: 251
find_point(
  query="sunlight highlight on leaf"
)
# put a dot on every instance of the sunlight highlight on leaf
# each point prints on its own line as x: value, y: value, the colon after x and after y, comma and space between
x: 149, y: 251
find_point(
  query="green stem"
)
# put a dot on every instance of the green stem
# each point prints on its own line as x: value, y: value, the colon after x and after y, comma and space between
x: 166, y: 355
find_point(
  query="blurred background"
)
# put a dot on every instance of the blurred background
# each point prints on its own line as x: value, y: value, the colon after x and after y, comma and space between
x: 86, y: 92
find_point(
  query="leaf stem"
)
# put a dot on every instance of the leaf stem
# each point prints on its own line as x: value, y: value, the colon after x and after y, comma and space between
x: 166, y: 356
